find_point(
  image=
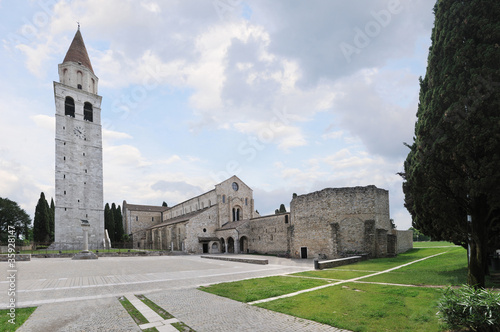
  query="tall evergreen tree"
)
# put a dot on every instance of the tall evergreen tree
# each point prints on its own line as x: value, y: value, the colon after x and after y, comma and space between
x: 109, y: 222
x: 118, y: 224
x: 52, y: 219
x: 452, y: 182
x: 41, y: 222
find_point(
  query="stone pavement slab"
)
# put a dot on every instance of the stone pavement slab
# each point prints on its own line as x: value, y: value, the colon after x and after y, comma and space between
x: 207, y: 312
x: 80, y: 316
x: 83, y: 295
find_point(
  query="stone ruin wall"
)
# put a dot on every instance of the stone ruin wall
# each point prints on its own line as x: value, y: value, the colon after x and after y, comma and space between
x: 331, y: 222
x: 269, y: 234
x: 405, y: 240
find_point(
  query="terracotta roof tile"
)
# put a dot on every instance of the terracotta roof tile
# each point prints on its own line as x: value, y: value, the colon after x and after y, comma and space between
x: 78, y: 53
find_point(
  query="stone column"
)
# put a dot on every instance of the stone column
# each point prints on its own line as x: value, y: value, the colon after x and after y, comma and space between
x: 85, y: 237
x: 236, y: 246
x: 85, y: 253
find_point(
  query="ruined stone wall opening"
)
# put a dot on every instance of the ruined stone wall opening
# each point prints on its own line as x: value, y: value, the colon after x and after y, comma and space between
x: 222, y: 245
x: 243, y: 245
x: 303, y: 252
x: 230, y: 245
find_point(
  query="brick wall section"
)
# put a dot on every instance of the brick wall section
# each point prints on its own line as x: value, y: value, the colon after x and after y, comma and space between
x: 269, y: 234
x: 333, y: 220
x: 404, y: 240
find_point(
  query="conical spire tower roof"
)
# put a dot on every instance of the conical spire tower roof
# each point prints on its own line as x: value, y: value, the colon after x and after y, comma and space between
x: 77, y: 52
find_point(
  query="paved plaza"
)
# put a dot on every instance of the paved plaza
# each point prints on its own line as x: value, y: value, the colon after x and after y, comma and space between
x: 83, y: 295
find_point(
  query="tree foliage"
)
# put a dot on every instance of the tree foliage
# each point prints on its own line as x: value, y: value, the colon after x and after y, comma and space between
x: 282, y: 209
x: 42, y: 221
x: 117, y: 215
x: 11, y: 214
x: 109, y: 221
x: 52, y: 219
x: 452, y: 182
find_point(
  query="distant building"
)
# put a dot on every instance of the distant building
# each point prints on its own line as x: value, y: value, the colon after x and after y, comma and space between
x: 326, y: 224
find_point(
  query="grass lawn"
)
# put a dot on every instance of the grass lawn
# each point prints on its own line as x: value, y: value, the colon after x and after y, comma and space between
x: 447, y: 269
x: 262, y: 288
x: 373, y: 265
x: 132, y: 311
x: 156, y: 308
x: 429, y: 244
x: 365, y: 307
x: 22, y: 314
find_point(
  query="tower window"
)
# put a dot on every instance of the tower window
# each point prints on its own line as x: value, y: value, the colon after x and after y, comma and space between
x: 87, y: 112
x: 69, y: 107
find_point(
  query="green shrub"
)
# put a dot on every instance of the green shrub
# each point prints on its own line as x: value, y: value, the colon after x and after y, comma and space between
x: 467, y: 307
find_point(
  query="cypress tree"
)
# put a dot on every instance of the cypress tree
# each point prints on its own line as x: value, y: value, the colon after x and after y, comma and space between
x: 109, y: 222
x: 118, y: 224
x: 52, y: 219
x: 452, y: 182
x: 41, y: 222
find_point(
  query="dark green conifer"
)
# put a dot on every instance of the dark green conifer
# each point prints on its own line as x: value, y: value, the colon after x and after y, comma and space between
x: 41, y: 222
x: 452, y: 178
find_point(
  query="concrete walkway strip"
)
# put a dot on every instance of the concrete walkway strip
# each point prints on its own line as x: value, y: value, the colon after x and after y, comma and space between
x: 155, y: 320
x: 341, y: 282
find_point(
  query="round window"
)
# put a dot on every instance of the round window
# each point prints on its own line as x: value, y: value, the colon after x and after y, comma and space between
x: 204, y: 230
x: 235, y: 186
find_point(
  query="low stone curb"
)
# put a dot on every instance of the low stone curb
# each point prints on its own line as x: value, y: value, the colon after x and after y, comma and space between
x: 338, y: 262
x: 241, y: 260
x: 16, y: 257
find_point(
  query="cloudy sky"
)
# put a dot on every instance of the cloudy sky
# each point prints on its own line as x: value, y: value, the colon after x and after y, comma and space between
x: 291, y: 96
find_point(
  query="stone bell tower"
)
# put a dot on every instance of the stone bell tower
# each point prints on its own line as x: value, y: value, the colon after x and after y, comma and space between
x: 78, y: 171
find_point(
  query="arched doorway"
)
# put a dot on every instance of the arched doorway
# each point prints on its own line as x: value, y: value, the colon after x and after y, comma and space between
x: 243, y: 245
x: 222, y: 245
x: 230, y: 245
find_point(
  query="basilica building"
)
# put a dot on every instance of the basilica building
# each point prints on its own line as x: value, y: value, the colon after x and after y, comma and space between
x: 327, y: 224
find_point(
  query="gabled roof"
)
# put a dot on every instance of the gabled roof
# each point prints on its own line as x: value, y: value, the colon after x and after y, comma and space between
x: 77, y: 52
x: 182, y: 218
x: 233, y: 224
x: 148, y: 208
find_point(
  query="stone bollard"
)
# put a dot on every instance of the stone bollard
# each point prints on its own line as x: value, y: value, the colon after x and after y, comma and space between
x: 316, y: 264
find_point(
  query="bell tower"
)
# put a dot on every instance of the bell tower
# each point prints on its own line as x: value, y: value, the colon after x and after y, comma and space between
x: 78, y: 171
